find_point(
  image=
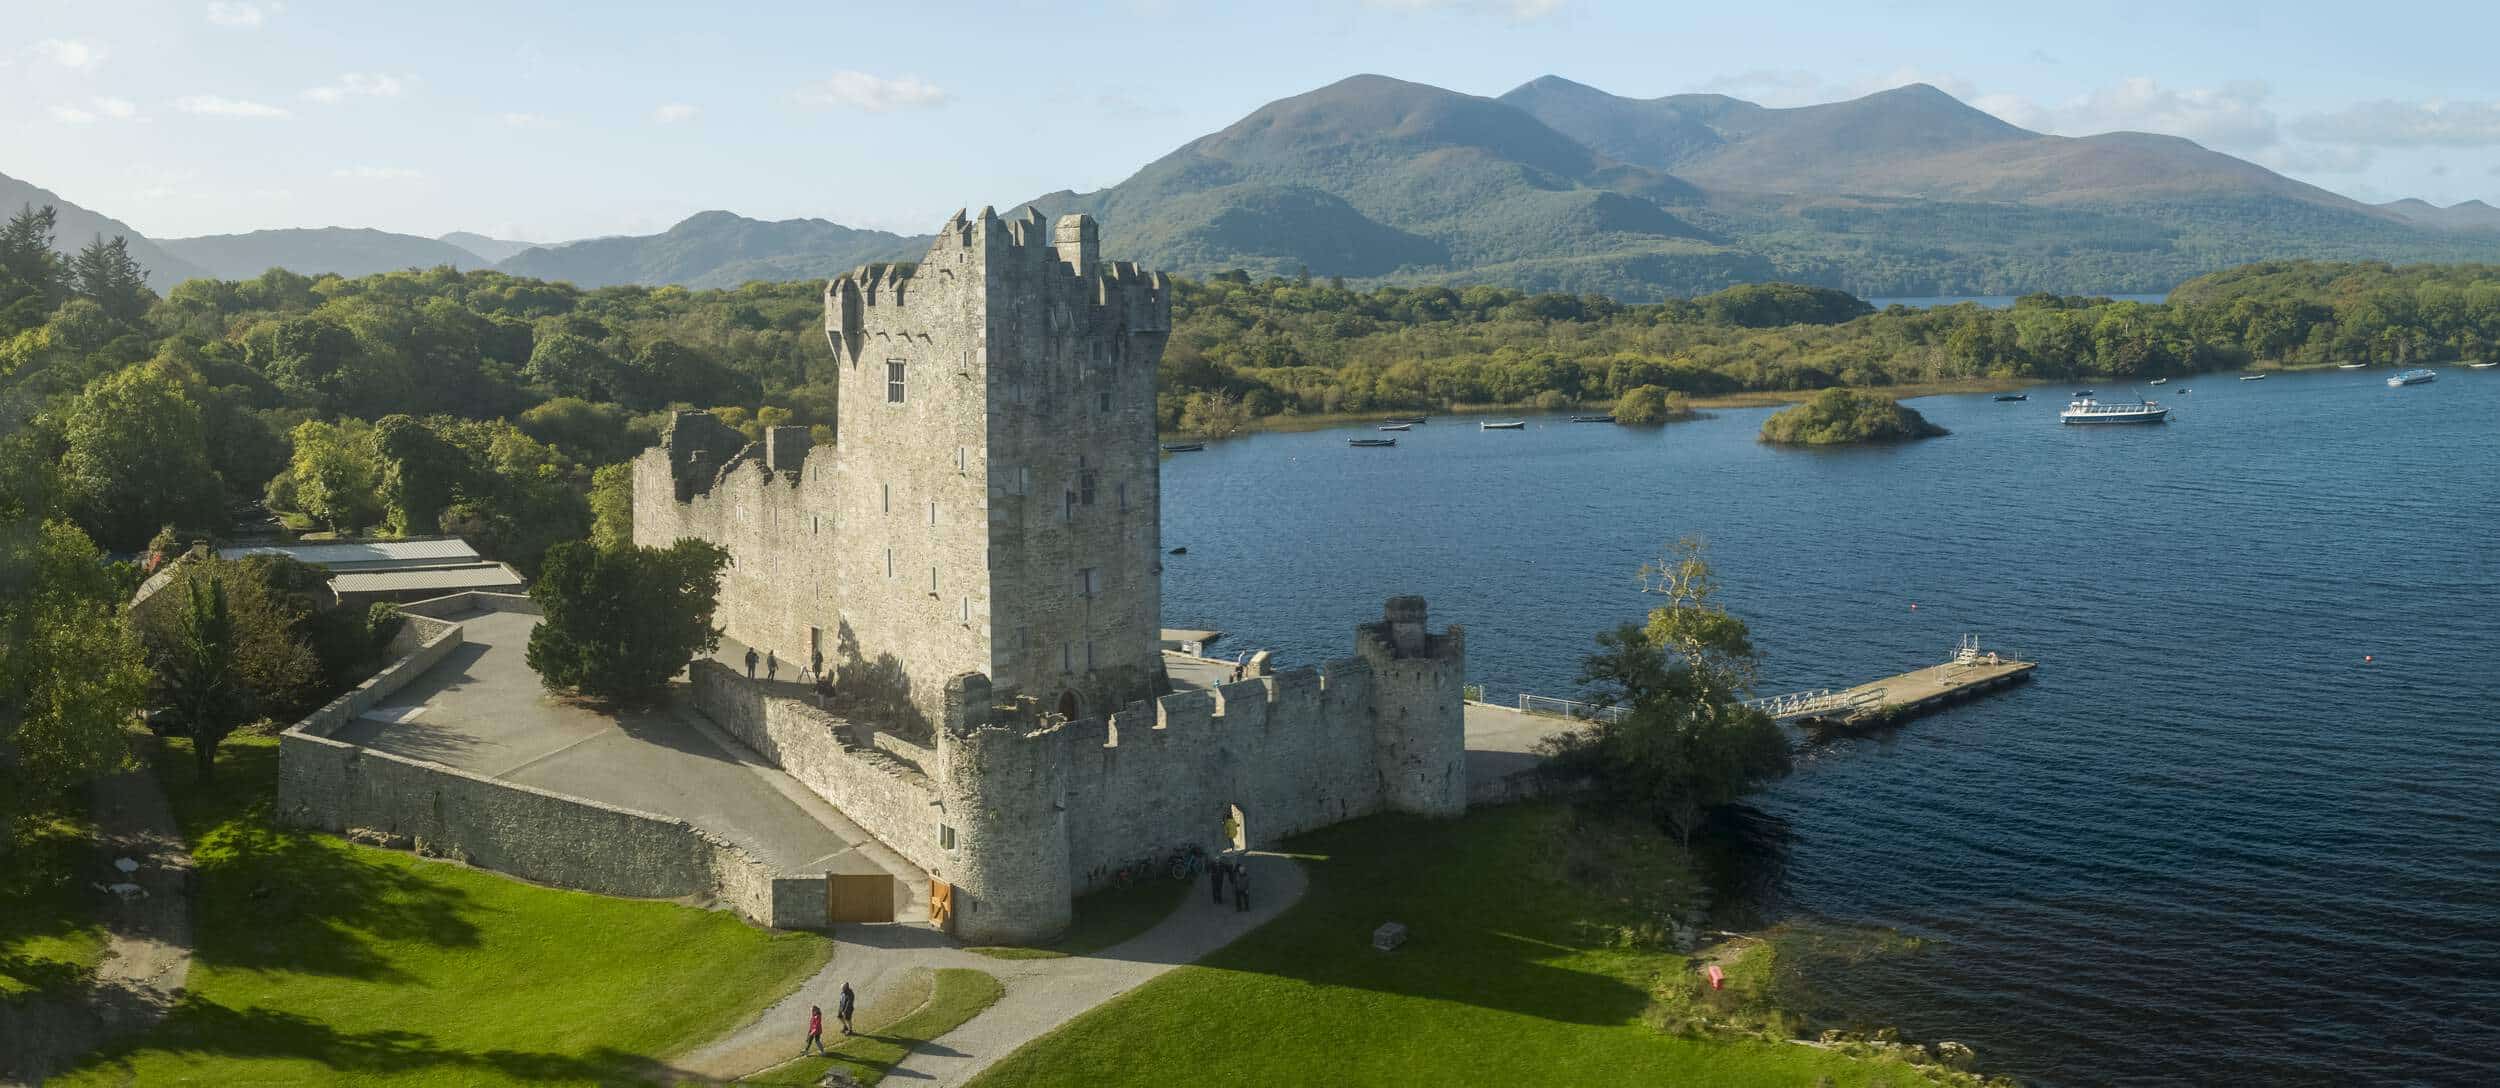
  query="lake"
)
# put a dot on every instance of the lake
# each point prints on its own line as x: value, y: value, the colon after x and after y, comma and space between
x: 2210, y: 843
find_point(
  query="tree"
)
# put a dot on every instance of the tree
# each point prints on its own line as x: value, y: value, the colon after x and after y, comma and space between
x: 107, y: 273
x: 1651, y: 404
x: 1684, y: 743
x: 270, y: 603
x: 334, y: 476
x: 612, y: 506
x: 72, y: 674
x: 135, y: 459
x: 202, y: 694
x: 621, y: 621
x: 31, y: 276
x: 1215, y: 415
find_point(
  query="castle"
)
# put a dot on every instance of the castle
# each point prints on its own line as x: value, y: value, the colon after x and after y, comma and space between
x: 976, y: 561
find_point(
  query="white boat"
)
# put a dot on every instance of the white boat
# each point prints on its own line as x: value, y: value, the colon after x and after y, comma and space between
x: 2352, y: 366
x: 2253, y: 377
x: 1511, y: 425
x: 2482, y: 366
x: 2088, y: 410
x: 2413, y: 377
x: 2159, y: 381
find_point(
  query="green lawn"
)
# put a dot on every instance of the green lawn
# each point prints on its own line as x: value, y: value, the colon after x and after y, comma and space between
x: 925, y: 1007
x: 321, y: 962
x: 50, y: 940
x: 1103, y: 919
x: 1533, y: 960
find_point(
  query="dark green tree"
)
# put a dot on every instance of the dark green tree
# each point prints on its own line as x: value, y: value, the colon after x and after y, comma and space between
x: 106, y: 272
x: 621, y: 621
x: 32, y: 279
x: 72, y: 675
x: 1683, y: 743
x: 136, y: 459
x: 201, y: 690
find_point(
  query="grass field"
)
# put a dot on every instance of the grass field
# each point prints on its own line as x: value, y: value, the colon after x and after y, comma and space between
x: 319, y: 962
x: 928, y: 1005
x: 50, y: 940
x: 1533, y: 959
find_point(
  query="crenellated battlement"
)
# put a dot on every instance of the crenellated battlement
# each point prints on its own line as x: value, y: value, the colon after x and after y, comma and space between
x: 985, y: 254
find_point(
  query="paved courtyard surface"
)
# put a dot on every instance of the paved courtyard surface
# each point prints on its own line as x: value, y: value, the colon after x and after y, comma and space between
x: 483, y: 710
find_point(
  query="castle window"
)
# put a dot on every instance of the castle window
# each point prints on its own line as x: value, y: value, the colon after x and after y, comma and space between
x: 933, y: 512
x: 1122, y: 490
x: 1067, y: 658
x: 1024, y: 480
x: 889, y: 562
x: 1089, y: 655
x: 1086, y: 583
x: 885, y: 496
x: 1085, y: 488
x: 894, y: 381
x: 1068, y: 510
x: 1102, y: 401
x: 946, y: 837
x: 815, y: 524
x: 963, y: 460
x: 933, y: 587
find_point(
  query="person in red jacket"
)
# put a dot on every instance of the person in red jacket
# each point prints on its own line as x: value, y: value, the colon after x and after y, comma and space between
x: 815, y: 1031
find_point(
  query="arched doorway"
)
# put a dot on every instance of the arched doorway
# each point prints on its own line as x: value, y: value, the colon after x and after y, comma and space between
x: 1236, y: 828
x: 1067, y: 705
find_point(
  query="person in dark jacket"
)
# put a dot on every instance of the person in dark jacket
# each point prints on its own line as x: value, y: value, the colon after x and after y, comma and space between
x: 1241, y: 887
x: 1215, y: 874
x: 843, y: 1010
x: 751, y: 662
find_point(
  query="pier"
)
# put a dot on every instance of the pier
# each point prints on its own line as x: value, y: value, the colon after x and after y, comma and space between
x: 1899, y: 698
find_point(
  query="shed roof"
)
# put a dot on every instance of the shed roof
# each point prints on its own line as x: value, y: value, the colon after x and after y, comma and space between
x: 483, y: 576
x: 367, y: 555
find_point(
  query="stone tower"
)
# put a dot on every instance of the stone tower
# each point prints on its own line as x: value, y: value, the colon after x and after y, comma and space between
x: 996, y: 426
x: 1419, y: 732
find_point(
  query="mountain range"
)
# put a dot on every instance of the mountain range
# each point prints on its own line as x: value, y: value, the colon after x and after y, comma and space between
x: 1554, y: 185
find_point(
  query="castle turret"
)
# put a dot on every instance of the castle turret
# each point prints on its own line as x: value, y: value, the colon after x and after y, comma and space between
x: 1078, y: 241
x: 1419, y: 731
x: 1003, y: 823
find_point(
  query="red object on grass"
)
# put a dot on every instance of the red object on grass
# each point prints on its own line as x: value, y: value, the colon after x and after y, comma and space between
x: 1716, y: 976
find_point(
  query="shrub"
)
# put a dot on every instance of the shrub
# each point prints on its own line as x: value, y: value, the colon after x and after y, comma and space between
x: 1844, y: 416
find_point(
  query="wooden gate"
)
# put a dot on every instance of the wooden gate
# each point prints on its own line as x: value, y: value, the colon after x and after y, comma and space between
x: 941, y: 906
x: 853, y: 897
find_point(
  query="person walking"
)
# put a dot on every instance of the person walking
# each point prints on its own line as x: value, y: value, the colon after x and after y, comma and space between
x: 816, y: 663
x: 1215, y: 875
x: 750, y: 662
x: 815, y: 1031
x: 1241, y: 887
x: 843, y: 1010
x: 772, y: 665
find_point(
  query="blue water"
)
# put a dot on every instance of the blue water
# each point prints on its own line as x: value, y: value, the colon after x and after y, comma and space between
x: 2210, y: 844
x: 1993, y: 302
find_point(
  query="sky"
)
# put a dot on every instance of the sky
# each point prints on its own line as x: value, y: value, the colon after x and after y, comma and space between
x: 546, y: 122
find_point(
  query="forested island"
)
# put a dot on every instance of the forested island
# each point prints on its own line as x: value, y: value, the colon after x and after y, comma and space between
x: 1844, y: 417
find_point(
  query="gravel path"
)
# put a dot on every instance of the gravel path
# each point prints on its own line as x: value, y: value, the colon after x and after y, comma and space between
x: 1041, y: 993
x: 147, y: 955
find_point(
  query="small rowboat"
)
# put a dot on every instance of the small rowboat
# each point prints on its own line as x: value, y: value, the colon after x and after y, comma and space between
x: 1592, y: 419
x: 1371, y: 443
x: 2253, y: 377
x: 1513, y: 425
x: 2159, y: 381
x: 1396, y: 427
x: 2482, y: 366
x: 1183, y: 447
x: 1411, y: 421
x: 2352, y: 366
x: 2013, y: 396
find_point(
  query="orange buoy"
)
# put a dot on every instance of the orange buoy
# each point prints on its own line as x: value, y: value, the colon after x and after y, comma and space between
x: 2366, y: 659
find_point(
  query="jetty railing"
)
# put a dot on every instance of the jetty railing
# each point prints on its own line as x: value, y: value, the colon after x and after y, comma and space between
x: 1569, y: 708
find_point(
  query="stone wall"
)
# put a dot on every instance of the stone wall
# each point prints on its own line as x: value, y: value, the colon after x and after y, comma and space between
x: 531, y: 833
x: 890, y: 800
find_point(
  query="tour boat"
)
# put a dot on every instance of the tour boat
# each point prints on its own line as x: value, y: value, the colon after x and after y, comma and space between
x: 2483, y: 366
x: 1511, y: 425
x: 2413, y: 377
x: 1371, y: 442
x: 1592, y: 419
x: 2013, y: 396
x: 1396, y: 427
x: 2352, y: 366
x: 2087, y: 410
x: 1183, y: 447
x: 2159, y: 381
x: 2252, y: 377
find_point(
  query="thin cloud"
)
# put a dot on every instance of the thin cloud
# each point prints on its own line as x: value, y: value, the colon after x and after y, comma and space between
x: 72, y: 53
x: 527, y: 120
x: 2232, y: 117
x: 673, y: 113
x: 2389, y: 123
x: 241, y: 13
x: 376, y: 173
x: 357, y: 85
x: 874, y: 94
x: 96, y: 109
x: 1516, y: 10
x: 211, y: 105
x: 72, y: 115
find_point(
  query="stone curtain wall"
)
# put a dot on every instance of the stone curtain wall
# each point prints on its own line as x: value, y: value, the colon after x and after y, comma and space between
x: 1293, y: 750
x: 878, y: 792
x: 531, y: 833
